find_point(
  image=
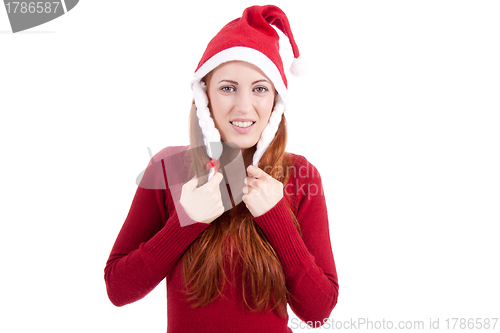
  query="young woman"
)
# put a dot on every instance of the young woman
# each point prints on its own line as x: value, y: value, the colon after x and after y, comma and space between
x: 238, y: 233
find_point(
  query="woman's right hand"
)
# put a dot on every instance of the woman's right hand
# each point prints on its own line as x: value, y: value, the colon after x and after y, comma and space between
x: 203, y: 204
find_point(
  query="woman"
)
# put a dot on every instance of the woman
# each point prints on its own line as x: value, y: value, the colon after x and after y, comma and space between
x: 235, y: 247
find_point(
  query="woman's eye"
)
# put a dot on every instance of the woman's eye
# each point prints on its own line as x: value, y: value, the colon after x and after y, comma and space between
x: 260, y: 89
x: 227, y: 89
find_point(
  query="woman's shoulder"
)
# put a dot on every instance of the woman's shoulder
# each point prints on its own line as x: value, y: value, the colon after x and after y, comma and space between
x: 300, y: 167
x: 167, y: 163
x: 169, y: 152
x: 304, y: 181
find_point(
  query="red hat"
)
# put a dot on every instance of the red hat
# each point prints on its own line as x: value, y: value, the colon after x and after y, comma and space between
x: 252, y: 39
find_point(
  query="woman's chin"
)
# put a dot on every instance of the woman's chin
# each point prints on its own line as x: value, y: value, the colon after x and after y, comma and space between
x: 242, y: 144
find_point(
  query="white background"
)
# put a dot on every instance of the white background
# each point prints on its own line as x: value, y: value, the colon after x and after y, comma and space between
x: 399, y: 113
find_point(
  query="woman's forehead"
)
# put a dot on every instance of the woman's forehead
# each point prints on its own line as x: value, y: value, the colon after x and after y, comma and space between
x: 238, y: 69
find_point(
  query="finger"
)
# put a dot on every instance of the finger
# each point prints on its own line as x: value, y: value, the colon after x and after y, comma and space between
x: 251, y: 182
x: 192, y: 184
x: 254, y: 171
x: 216, y: 179
x: 245, y: 190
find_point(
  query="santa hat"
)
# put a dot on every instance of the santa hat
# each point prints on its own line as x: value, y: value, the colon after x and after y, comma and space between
x: 252, y: 39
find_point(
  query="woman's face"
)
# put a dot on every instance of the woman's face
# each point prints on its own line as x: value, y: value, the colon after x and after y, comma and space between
x: 241, y: 101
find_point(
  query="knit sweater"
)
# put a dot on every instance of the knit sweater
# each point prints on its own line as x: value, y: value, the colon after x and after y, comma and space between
x: 152, y: 241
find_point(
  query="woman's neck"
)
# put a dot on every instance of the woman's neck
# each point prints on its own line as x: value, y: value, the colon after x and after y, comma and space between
x: 248, y: 156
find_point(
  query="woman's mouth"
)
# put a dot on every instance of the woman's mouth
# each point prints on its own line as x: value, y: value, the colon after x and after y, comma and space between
x: 242, y: 126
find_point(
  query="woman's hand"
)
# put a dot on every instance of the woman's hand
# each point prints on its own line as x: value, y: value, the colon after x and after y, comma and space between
x: 203, y: 204
x: 262, y: 192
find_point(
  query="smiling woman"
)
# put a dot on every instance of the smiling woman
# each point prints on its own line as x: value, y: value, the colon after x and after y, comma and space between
x: 231, y: 265
x: 241, y: 100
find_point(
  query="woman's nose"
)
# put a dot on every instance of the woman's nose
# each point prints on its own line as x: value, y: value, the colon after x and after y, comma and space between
x: 244, y: 102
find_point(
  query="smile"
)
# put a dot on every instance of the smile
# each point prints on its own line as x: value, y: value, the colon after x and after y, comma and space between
x: 242, y: 124
x: 242, y: 127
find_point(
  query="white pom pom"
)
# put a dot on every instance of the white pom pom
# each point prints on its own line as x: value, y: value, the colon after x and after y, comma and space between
x: 299, y: 67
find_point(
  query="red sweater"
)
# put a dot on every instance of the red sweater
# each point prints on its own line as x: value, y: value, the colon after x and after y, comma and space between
x: 151, y: 243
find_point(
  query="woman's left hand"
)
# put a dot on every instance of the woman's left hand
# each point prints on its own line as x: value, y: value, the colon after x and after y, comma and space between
x: 262, y: 192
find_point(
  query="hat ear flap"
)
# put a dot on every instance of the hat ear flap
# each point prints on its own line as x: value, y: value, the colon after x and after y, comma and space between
x: 211, y: 135
x: 269, y: 131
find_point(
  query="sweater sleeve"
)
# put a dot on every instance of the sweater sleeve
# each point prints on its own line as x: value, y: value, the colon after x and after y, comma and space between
x: 148, y: 245
x: 308, y: 262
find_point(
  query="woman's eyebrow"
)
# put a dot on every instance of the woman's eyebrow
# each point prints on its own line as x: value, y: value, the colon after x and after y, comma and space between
x: 233, y: 82
x: 236, y: 83
x: 261, y: 81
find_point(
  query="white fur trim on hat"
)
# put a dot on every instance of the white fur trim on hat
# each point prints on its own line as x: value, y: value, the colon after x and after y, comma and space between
x: 251, y: 56
x: 269, y: 131
x: 211, y: 135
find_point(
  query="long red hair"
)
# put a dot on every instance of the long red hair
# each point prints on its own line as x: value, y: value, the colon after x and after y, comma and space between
x: 236, y: 235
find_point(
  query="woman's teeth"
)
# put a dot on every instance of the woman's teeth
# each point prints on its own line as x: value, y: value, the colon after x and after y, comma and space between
x: 242, y: 124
